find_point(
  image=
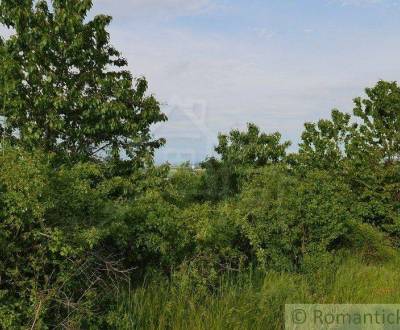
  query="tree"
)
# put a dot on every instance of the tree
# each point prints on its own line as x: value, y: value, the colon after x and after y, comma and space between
x: 380, y: 116
x: 65, y: 89
x: 372, y: 134
x: 251, y: 147
x: 240, y: 153
x: 363, y: 149
x: 379, y: 138
x: 324, y: 144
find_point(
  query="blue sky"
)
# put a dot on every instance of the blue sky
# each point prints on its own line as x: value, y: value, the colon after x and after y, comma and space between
x: 218, y: 64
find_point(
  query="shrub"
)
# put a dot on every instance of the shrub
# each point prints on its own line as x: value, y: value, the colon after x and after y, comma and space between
x: 285, y: 217
x: 52, y: 261
x: 216, y: 244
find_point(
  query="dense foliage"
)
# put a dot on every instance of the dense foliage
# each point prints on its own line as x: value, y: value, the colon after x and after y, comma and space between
x: 65, y: 89
x: 84, y: 211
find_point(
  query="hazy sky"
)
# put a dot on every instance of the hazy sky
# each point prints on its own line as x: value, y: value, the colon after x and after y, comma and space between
x: 216, y: 65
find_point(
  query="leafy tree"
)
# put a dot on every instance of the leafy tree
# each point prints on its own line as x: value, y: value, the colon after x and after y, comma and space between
x: 364, y: 150
x: 251, y: 147
x: 370, y: 137
x: 374, y: 155
x: 324, y: 143
x: 65, y: 89
x: 380, y: 116
x: 239, y: 152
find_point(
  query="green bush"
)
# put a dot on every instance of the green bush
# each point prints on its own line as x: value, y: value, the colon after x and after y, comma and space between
x: 286, y: 218
x: 52, y: 260
x: 216, y: 246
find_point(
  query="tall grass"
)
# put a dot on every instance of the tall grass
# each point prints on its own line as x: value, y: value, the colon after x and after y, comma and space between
x: 255, y: 300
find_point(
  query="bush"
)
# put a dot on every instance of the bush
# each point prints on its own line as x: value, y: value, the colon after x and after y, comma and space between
x: 52, y: 260
x: 216, y: 244
x: 286, y: 218
x: 24, y: 248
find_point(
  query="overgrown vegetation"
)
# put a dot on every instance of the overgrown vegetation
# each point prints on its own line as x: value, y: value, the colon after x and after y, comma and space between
x: 94, y: 235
